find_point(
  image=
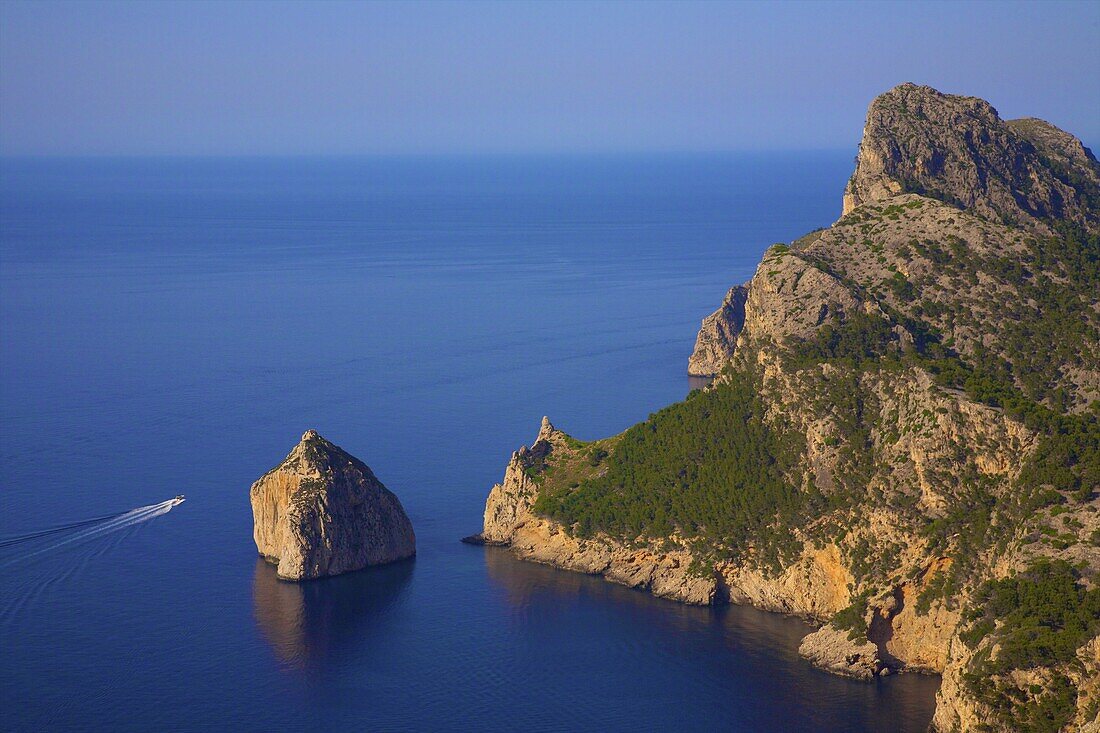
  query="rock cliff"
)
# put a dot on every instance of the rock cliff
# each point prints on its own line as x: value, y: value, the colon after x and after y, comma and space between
x: 509, y: 521
x: 322, y: 512
x: 904, y: 436
x: 835, y: 651
x: 958, y: 150
x: 718, y: 335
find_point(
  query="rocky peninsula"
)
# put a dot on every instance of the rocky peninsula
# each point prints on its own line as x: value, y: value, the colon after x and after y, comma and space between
x: 323, y: 512
x: 902, y: 443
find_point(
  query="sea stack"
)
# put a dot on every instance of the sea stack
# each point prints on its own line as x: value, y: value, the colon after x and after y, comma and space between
x: 323, y: 512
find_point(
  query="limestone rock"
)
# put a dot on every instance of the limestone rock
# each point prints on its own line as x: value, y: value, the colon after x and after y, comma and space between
x: 814, y: 587
x: 791, y: 297
x: 958, y: 150
x: 909, y: 638
x: 832, y: 650
x: 323, y: 512
x: 942, y: 243
x: 1058, y: 146
x: 509, y: 502
x: 718, y: 335
x: 509, y: 522
x: 788, y: 296
x: 664, y: 573
x: 958, y: 709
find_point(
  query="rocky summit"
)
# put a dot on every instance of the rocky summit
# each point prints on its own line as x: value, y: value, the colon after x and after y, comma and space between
x: 902, y: 443
x: 323, y: 512
x: 958, y: 150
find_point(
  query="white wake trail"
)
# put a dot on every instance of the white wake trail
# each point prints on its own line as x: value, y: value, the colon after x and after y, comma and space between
x: 114, y: 524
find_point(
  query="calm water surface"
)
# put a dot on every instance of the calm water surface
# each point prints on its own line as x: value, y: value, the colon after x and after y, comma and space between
x: 173, y: 327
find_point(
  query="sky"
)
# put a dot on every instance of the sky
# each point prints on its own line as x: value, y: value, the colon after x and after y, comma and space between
x: 316, y: 78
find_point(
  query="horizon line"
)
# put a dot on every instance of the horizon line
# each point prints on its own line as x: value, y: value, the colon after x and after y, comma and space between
x: 428, y: 154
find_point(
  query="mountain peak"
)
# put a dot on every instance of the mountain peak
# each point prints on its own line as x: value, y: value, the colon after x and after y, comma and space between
x: 957, y: 149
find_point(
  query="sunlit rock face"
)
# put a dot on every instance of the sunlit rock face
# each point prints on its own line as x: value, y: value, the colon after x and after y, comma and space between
x: 957, y: 149
x: 323, y: 512
x: 718, y: 334
x: 961, y: 247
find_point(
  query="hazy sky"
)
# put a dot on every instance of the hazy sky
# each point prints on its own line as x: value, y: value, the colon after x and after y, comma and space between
x: 289, y: 78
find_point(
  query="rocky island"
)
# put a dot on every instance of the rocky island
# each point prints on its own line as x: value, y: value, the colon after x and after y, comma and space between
x: 323, y: 512
x: 902, y: 442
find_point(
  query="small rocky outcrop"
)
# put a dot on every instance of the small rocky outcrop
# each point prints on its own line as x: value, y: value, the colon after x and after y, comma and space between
x: 509, y: 522
x: 787, y: 297
x: 509, y: 503
x: 958, y: 150
x: 718, y: 334
x: 323, y: 512
x: 835, y: 651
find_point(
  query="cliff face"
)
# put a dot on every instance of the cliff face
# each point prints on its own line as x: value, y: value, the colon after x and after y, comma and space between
x: 826, y: 572
x: 510, y: 521
x: 920, y: 383
x: 718, y: 335
x: 786, y: 298
x: 958, y: 150
x: 322, y: 512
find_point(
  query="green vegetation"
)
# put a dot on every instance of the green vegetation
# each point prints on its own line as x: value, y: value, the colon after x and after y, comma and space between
x: 860, y: 339
x: 568, y: 467
x: 1068, y: 458
x: 1036, y: 619
x: 853, y: 619
x: 1050, y: 325
x: 975, y: 518
x: 1045, y: 614
x: 1042, y: 322
x: 807, y: 238
x: 937, y: 587
x: 707, y: 467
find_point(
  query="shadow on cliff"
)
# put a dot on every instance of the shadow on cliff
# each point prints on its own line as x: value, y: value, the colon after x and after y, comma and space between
x: 308, y: 624
x: 698, y: 382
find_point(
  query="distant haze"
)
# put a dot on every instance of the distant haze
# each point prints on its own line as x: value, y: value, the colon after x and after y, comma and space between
x: 333, y: 78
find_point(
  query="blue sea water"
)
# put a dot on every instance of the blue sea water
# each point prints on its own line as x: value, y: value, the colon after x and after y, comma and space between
x: 173, y: 326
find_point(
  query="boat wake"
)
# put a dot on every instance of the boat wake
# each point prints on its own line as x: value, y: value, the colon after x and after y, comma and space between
x: 53, y: 538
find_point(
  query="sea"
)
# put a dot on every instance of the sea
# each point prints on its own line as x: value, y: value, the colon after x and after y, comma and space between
x: 171, y: 326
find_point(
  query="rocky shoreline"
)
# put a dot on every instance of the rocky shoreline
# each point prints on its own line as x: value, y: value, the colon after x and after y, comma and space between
x: 814, y: 589
x: 860, y: 342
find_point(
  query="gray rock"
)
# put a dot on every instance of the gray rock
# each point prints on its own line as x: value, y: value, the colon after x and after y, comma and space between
x: 958, y: 150
x: 718, y: 335
x: 831, y: 649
